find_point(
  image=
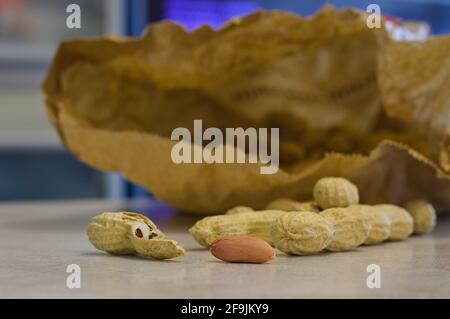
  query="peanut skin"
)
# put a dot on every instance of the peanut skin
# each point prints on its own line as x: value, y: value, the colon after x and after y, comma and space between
x: 242, y: 249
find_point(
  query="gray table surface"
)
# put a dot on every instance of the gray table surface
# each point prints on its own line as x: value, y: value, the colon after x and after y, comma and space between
x: 39, y: 240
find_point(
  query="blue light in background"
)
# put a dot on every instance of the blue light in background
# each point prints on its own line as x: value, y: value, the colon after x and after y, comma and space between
x: 435, y: 12
x: 194, y: 13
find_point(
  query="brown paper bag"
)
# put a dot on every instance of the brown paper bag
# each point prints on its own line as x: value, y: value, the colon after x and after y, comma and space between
x: 335, y: 88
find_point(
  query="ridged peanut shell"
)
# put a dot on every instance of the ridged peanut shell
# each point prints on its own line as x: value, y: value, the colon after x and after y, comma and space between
x: 423, y: 215
x: 301, y: 233
x: 332, y: 192
x: 112, y: 231
x: 255, y: 224
x: 380, y: 224
x: 157, y: 248
x: 402, y: 224
x: 350, y: 230
x: 130, y: 233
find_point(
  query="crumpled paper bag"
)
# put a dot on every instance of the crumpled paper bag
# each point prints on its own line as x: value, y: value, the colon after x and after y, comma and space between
x: 348, y: 101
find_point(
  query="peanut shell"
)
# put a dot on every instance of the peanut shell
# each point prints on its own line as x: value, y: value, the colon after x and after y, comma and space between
x: 380, y: 224
x: 423, y: 214
x: 332, y: 192
x: 350, y: 230
x: 301, y: 233
x: 402, y: 224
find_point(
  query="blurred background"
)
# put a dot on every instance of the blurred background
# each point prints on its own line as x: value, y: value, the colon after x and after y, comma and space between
x: 33, y: 164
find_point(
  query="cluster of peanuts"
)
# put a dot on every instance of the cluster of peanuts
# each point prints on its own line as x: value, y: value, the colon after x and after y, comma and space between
x: 333, y: 221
